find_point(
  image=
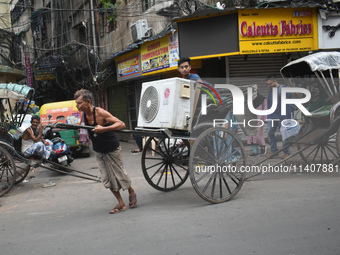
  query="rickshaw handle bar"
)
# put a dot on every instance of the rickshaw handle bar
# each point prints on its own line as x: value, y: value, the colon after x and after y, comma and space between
x: 143, y: 132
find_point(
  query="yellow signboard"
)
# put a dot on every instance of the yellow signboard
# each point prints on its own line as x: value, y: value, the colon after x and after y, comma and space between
x: 159, y: 55
x: 128, y: 67
x: 277, y: 30
x: 42, y: 75
x: 155, y: 55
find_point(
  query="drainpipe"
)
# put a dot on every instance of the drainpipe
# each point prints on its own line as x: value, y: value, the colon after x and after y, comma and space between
x: 52, y: 24
x: 94, y: 38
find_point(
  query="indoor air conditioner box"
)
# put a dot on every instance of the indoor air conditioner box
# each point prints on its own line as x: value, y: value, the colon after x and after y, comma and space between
x: 139, y: 30
x: 166, y: 104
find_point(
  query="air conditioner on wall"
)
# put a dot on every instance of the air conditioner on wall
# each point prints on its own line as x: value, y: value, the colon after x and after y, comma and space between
x: 166, y: 104
x: 139, y: 30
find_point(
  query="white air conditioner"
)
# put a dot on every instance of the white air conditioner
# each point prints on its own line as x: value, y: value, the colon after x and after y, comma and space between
x: 166, y: 104
x: 139, y: 30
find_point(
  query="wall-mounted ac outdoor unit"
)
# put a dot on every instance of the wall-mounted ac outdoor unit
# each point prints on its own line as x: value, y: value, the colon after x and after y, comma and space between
x: 139, y: 30
x: 166, y: 104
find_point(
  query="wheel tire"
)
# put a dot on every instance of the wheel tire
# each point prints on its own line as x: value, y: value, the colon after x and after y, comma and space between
x: 22, y: 170
x: 325, y: 152
x: 165, y: 163
x: 337, y: 141
x: 217, y: 147
x: 7, y: 172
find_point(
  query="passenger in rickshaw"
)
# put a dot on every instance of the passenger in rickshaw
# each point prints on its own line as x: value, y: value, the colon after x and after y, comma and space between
x: 33, y: 143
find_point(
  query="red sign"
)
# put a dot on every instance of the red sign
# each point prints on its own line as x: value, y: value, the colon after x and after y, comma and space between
x: 28, y: 70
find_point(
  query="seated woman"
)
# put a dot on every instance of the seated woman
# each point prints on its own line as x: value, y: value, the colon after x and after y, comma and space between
x: 33, y: 143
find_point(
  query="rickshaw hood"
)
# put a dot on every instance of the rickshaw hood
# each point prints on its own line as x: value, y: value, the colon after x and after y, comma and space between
x: 320, y: 61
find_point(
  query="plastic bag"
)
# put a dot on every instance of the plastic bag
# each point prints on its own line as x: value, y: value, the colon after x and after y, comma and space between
x: 289, y: 128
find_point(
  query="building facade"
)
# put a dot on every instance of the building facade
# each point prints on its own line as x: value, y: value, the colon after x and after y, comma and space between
x: 112, y: 47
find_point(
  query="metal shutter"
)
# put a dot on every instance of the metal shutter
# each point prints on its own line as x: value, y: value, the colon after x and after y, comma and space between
x: 253, y: 69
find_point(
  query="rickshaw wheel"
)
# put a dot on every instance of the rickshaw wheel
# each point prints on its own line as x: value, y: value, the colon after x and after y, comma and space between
x: 7, y: 172
x: 22, y: 170
x: 325, y: 152
x: 215, y: 165
x: 338, y: 141
x: 165, y: 162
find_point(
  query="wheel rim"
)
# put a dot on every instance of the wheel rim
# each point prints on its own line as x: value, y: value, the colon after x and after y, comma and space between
x: 216, y: 161
x: 22, y: 171
x: 165, y: 162
x: 323, y: 153
x: 7, y: 172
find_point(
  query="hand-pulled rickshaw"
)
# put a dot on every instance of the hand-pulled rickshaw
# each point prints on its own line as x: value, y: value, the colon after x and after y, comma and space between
x: 214, y: 156
x: 318, y: 139
x: 14, y: 167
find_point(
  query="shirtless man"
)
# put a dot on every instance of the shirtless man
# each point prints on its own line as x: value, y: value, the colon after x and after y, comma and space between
x: 107, y: 148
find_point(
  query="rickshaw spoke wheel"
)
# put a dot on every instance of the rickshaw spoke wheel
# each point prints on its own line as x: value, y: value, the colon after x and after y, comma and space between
x: 337, y: 142
x: 7, y: 172
x: 22, y: 170
x: 323, y: 153
x: 216, y: 162
x: 165, y: 162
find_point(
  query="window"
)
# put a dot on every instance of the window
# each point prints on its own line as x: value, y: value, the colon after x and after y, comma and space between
x: 82, y: 34
x: 105, y: 24
x: 147, y: 4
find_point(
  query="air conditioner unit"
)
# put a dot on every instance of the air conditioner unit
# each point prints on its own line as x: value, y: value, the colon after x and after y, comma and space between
x: 166, y: 104
x: 139, y: 30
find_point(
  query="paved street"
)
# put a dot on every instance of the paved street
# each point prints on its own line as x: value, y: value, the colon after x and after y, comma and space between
x: 274, y: 213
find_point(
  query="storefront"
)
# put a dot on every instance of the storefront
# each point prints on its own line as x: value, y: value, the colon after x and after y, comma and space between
x: 239, y: 47
x: 153, y: 60
x: 253, y: 42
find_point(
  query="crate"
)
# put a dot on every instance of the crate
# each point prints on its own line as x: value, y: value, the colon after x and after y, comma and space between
x: 70, y: 137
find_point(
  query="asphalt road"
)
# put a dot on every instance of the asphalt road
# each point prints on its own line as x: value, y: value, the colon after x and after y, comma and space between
x: 274, y: 213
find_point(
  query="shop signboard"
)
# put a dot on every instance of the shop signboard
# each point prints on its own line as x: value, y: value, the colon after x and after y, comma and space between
x: 128, y: 68
x: 42, y: 75
x: 29, y: 80
x: 278, y: 30
x: 173, y: 49
x: 159, y: 54
x: 48, y: 62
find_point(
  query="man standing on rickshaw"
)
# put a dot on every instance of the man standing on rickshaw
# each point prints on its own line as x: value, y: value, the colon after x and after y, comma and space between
x: 184, y: 68
x: 106, y: 145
